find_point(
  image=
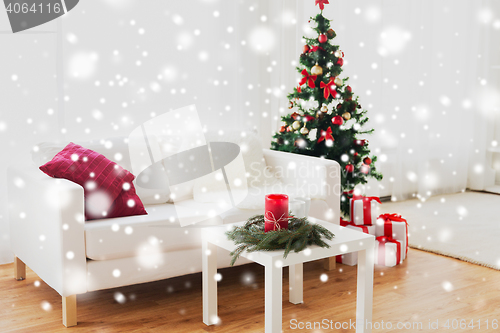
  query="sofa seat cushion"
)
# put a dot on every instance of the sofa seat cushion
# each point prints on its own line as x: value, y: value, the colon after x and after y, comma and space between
x: 145, y: 235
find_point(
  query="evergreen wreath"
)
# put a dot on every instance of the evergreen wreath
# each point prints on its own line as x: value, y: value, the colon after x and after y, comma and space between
x: 300, y: 233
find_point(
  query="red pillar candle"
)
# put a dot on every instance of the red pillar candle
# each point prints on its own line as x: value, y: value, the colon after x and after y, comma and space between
x: 276, y: 215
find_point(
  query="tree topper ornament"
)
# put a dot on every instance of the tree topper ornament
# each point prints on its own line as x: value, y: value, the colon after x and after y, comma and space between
x: 322, y: 3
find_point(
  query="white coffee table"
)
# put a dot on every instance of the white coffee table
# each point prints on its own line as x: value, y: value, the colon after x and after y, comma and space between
x: 345, y: 241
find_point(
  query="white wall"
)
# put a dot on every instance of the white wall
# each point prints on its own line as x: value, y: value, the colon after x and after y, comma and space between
x: 495, y: 70
x: 28, y: 90
x: 125, y: 61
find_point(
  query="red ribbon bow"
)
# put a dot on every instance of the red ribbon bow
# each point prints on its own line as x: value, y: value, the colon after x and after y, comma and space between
x: 316, y: 48
x: 308, y: 78
x: 326, y: 135
x: 270, y: 218
x: 388, y: 219
x: 330, y: 88
x: 367, y: 208
x: 369, y: 199
x: 382, y: 240
x: 393, y: 217
x: 322, y: 3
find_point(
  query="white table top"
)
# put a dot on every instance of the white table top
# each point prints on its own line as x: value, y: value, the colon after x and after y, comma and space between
x: 345, y: 240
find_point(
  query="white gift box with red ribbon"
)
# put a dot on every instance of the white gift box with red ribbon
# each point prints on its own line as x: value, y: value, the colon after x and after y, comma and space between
x: 395, y: 227
x: 351, y: 259
x: 388, y: 251
x: 363, y: 209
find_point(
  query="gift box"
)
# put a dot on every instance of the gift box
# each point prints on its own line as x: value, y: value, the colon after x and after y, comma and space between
x: 363, y: 209
x: 395, y: 227
x: 388, y: 251
x: 351, y: 259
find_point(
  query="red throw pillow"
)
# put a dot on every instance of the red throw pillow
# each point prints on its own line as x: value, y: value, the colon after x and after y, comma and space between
x: 108, y: 187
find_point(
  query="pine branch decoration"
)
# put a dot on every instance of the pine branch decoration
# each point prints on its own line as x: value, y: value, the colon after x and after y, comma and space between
x: 300, y: 233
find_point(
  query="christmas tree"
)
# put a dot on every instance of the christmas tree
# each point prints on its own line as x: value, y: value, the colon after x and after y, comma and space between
x: 328, y: 120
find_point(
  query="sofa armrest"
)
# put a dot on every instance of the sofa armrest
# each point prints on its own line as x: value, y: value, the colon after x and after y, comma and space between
x: 47, y: 227
x: 318, y: 177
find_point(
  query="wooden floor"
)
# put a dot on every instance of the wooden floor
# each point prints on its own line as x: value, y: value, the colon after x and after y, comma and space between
x: 425, y: 288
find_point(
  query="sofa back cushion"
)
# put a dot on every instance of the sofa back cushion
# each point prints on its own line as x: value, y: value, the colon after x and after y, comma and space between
x: 115, y: 149
x: 109, y: 191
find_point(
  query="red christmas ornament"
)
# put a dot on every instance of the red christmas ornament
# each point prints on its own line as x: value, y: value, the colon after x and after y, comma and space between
x: 337, y: 120
x: 329, y: 88
x: 367, y: 161
x: 326, y: 135
x: 339, y: 106
x: 356, y: 155
x: 322, y: 38
x: 282, y: 129
x: 349, y: 168
x: 348, y: 89
x: 308, y: 78
x: 321, y: 3
x: 308, y: 118
x: 330, y: 33
x: 360, y: 142
x: 295, y: 115
x: 316, y: 48
x: 306, y: 49
x: 340, y: 62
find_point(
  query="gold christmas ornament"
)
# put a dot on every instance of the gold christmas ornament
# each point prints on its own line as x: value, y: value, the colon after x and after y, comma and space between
x: 289, y: 129
x: 316, y: 70
x: 320, y: 115
x: 324, y: 109
x: 338, y: 54
x: 338, y: 81
x: 296, y: 125
x: 304, y: 130
x: 346, y: 116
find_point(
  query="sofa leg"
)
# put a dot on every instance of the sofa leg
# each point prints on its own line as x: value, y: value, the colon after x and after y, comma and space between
x: 69, y: 310
x: 19, y: 269
x: 330, y: 263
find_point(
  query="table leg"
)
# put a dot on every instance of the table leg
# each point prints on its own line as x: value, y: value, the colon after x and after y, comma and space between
x: 209, y: 267
x: 295, y: 278
x: 364, y: 302
x: 274, y: 276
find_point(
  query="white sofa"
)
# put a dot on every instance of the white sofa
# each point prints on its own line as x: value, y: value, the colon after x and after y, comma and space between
x: 49, y: 234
